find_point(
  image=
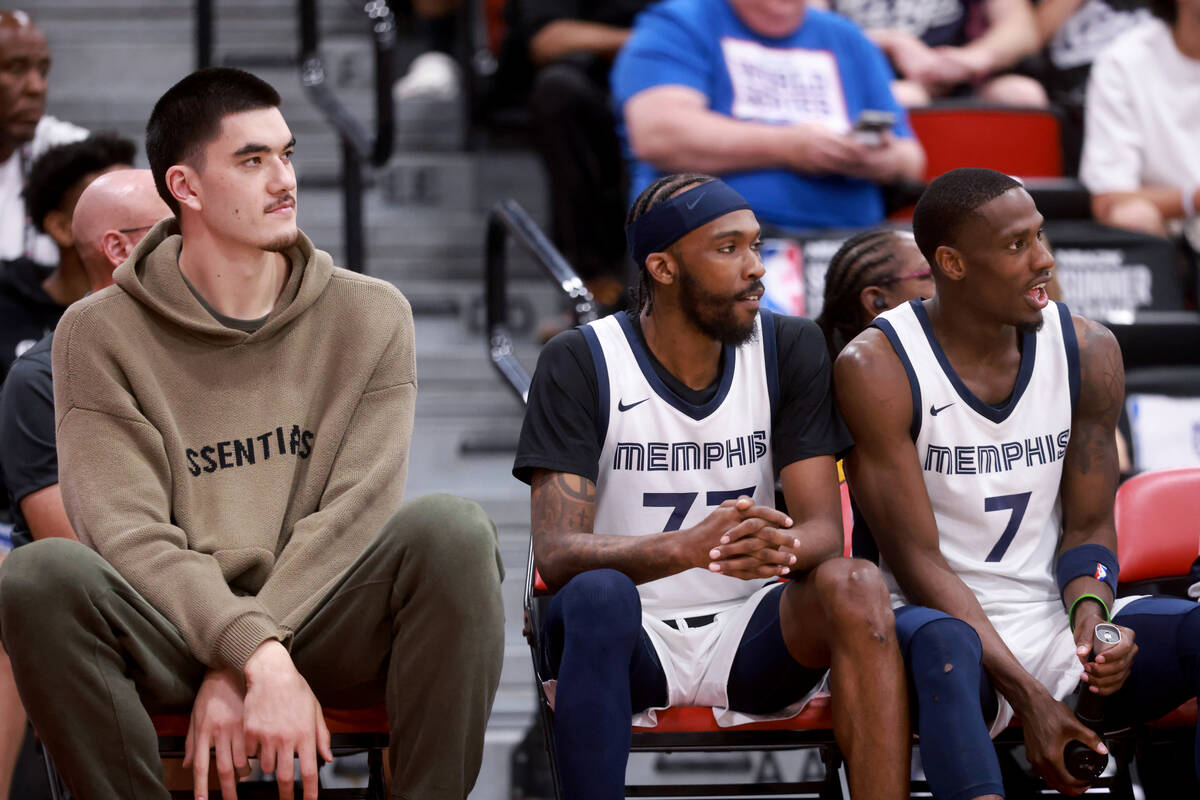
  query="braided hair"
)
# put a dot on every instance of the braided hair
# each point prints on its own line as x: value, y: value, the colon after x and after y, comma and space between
x: 660, y: 191
x: 862, y: 260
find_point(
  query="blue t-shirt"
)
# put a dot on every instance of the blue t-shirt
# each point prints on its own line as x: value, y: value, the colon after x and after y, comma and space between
x: 826, y: 71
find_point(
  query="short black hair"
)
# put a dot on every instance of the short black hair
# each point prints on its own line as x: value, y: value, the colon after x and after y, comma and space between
x: 1166, y: 10
x: 949, y: 200
x: 861, y: 261
x: 188, y: 116
x: 55, y: 171
x: 658, y: 192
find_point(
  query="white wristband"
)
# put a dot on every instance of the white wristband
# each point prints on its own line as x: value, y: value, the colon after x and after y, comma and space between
x: 1189, y: 202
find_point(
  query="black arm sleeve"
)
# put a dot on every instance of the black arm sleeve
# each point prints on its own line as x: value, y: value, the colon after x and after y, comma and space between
x: 559, y: 432
x: 807, y: 422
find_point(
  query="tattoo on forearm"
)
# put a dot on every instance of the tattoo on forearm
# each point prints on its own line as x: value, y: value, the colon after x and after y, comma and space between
x: 563, y: 503
x: 563, y: 507
x: 1103, y: 379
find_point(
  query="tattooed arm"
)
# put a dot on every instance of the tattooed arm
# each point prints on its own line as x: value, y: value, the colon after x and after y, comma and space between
x: 1090, y: 470
x: 1089, y: 487
x: 564, y: 510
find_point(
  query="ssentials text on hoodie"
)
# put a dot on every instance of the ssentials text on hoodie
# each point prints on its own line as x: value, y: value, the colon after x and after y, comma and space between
x: 241, y: 452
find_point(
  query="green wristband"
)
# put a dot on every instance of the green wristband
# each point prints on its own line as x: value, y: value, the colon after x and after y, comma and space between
x: 1080, y: 599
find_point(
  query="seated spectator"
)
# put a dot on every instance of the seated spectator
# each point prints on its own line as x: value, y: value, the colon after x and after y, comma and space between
x: 433, y: 74
x: 25, y: 132
x: 572, y: 45
x: 952, y: 48
x: 112, y: 215
x: 233, y: 420
x: 1140, y: 159
x: 764, y: 94
x: 32, y: 297
x: 1074, y: 32
x: 870, y: 273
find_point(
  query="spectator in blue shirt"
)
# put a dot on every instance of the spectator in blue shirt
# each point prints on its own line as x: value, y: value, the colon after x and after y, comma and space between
x: 766, y: 95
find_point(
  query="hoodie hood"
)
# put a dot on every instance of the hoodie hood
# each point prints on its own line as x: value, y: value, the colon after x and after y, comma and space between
x: 151, y: 276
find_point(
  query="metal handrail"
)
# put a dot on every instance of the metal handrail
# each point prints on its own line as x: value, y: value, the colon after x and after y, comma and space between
x: 508, y: 219
x: 357, y: 144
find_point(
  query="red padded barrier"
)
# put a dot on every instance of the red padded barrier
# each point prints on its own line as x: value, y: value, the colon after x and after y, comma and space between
x: 816, y: 716
x: 339, y: 720
x: 1026, y: 143
x: 1158, y: 523
x: 1182, y: 717
x: 847, y: 519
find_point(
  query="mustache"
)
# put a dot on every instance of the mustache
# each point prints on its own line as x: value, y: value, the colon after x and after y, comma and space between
x: 286, y: 200
x: 752, y: 289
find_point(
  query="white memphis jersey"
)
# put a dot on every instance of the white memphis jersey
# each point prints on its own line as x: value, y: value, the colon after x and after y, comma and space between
x: 993, y: 476
x: 666, y: 464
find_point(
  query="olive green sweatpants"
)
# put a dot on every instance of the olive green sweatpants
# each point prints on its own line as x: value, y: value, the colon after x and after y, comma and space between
x: 416, y: 622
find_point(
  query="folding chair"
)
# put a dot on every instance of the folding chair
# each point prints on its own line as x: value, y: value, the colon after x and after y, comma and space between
x: 1158, y: 537
x: 1158, y: 531
x: 693, y: 728
x: 1026, y: 142
x: 350, y: 730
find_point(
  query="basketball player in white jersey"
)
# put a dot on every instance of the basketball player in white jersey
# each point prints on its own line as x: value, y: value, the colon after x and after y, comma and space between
x: 985, y: 466
x: 652, y: 443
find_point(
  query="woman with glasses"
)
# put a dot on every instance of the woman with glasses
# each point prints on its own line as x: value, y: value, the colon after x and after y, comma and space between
x: 871, y: 272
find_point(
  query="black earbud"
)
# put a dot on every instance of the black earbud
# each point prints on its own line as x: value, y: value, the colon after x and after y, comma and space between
x: 880, y: 303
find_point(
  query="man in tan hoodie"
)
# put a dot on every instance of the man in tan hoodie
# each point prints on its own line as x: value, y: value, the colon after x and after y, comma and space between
x: 233, y: 422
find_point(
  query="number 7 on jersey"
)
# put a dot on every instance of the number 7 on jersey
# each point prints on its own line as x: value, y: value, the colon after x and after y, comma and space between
x: 1016, y: 503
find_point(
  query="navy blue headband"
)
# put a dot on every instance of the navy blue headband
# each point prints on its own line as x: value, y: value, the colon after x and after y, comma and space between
x: 668, y: 222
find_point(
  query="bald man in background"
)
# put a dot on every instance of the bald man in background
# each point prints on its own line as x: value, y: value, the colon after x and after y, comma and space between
x: 111, y: 216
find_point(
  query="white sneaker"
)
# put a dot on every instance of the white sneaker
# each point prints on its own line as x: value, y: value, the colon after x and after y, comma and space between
x: 431, y: 76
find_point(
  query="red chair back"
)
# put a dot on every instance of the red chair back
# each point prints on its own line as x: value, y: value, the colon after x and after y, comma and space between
x: 1026, y: 143
x: 847, y: 519
x: 1158, y: 523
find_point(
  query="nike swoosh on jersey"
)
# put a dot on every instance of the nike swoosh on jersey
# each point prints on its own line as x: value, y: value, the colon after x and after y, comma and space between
x: 933, y: 412
x: 622, y: 407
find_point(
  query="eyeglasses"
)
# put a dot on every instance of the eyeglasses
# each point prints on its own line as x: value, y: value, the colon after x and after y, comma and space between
x: 135, y: 230
x: 920, y: 275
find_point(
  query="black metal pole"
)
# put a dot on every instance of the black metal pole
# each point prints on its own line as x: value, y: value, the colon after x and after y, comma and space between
x: 352, y: 206
x: 204, y: 33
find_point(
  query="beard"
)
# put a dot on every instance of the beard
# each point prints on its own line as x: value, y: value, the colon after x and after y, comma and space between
x: 283, y: 243
x: 1030, y: 327
x: 713, y: 314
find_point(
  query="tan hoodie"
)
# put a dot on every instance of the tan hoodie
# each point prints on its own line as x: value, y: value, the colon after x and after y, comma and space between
x: 232, y: 477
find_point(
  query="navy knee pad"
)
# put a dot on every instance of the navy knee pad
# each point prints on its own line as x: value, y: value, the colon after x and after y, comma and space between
x: 944, y: 659
x: 597, y: 621
x: 602, y: 605
x: 945, y: 651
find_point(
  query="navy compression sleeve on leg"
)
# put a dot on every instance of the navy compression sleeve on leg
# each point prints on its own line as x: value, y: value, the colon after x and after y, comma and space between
x: 944, y: 660
x: 1166, y: 669
x: 606, y: 669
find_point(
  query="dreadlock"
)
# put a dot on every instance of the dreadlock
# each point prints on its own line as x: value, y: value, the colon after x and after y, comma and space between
x: 859, y: 262
x: 661, y: 190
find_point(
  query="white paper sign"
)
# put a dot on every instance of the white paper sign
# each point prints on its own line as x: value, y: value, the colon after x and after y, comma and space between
x: 1166, y: 431
x: 785, y: 85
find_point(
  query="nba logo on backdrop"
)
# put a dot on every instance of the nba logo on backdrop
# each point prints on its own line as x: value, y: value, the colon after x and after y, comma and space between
x: 783, y: 261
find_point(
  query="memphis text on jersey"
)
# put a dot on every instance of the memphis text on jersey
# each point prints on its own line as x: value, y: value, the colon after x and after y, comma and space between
x: 982, y: 459
x: 685, y: 456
